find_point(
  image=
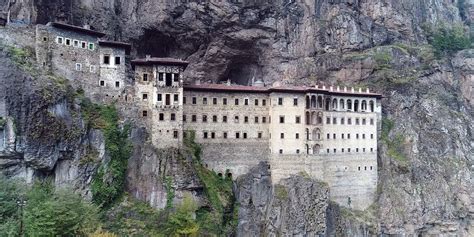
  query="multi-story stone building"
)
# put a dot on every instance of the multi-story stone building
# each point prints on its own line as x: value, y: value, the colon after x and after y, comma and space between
x: 329, y: 133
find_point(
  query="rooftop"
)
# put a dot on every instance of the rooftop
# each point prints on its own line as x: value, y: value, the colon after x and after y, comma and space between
x: 155, y: 60
x: 76, y: 29
x: 289, y: 89
x: 116, y: 44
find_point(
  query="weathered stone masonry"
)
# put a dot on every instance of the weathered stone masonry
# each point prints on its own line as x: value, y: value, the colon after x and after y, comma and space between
x: 330, y: 133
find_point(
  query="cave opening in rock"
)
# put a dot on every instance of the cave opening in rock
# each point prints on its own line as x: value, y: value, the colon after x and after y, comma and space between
x: 157, y: 44
x: 243, y: 71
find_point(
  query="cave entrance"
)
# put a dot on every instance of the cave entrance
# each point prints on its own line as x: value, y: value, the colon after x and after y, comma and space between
x: 243, y: 72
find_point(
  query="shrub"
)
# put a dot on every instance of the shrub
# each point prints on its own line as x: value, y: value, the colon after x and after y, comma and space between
x: 447, y: 41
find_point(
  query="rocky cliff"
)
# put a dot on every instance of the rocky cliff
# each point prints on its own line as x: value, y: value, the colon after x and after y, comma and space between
x: 426, y: 143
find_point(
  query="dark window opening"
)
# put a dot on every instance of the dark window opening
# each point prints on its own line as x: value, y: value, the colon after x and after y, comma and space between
x: 176, y: 77
x: 167, y: 99
x: 161, y: 76
x: 106, y: 59
x: 168, y: 79
x: 145, y: 77
x: 117, y: 60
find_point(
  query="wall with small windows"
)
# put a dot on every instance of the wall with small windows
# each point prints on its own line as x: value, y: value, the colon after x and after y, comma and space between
x: 112, y: 68
x: 233, y: 128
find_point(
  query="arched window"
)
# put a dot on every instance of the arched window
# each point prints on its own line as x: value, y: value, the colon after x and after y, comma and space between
x: 356, y: 105
x: 341, y: 104
x: 313, y: 101
x: 316, y: 149
x: 320, y: 102
x: 313, y: 118
x: 320, y: 118
x: 371, y: 104
x: 308, y: 118
x: 327, y: 104
x: 349, y: 104
x: 307, y: 134
x: 364, y: 105
x: 334, y: 104
x: 308, y: 102
x: 316, y: 134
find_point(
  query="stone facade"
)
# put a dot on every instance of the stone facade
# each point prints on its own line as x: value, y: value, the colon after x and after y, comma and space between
x: 327, y: 133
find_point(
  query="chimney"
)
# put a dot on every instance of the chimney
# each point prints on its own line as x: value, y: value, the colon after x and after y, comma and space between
x: 87, y: 27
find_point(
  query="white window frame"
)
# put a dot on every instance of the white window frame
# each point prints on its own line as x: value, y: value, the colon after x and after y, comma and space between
x: 78, y: 65
x: 120, y: 58
x: 118, y: 84
x: 83, y: 43
x: 75, y: 43
x: 65, y: 41
x: 102, y: 85
x: 93, y: 46
x: 60, y: 38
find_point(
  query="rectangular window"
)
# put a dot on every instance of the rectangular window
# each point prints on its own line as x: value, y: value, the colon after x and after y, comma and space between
x: 281, y: 151
x: 160, y: 97
x: 175, y: 134
x: 173, y: 117
x: 348, y: 136
x: 327, y: 150
x: 184, y: 100
x: 184, y: 118
x: 342, y: 136
x: 117, y: 84
x: 328, y: 120
x: 280, y: 101
x: 246, y: 102
x: 298, y: 119
x: 342, y: 121
x: 224, y: 101
x: 357, y: 121
x: 194, y: 100
x: 282, y: 119
x: 145, y: 77
x: 363, y: 149
x: 78, y: 67
x: 349, y: 150
x: 333, y: 136
x: 193, y: 118
x: 204, y: 135
x: 144, y: 113
x: 328, y: 136
x: 334, y: 120
x: 224, y: 135
x: 204, y: 101
x: 371, y: 150
x: 264, y: 102
x: 256, y: 119
x: 106, y: 60
x: 297, y: 136
x: 213, y: 135
x: 214, y: 101
x: 363, y: 121
x: 83, y: 44
x: 176, y: 98
x: 295, y: 101
x: 91, y: 46
x: 371, y: 136
x: 334, y: 150
x: 60, y: 40
x: 117, y: 60
x: 357, y: 136
x: 297, y: 151
x: 224, y: 119
x: 236, y: 101
x: 259, y: 135
x: 246, y: 119
x: 214, y: 118
x: 349, y: 121
x: 236, y: 119
x: 245, y: 135
x: 282, y: 135
x: 256, y: 102
x: 102, y: 83
x: 363, y: 136
x: 161, y: 76
x: 161, y: 116
x: 237, y: 135
x: 264, y: 119
x: 144, y: 96
x: 357, y: 149
x: 204, y: 118
x: 68, y: 42
x: 342, y: 150
x: 176, y: 77
x: 371, y: 121
x: 75, y: 43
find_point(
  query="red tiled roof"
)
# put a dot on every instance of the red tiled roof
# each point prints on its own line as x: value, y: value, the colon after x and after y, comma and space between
x: 76, y: 28
x: 283, y: 89
x: 154, y: 60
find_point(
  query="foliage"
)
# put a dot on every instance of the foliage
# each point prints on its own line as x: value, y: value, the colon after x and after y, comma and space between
x: 102, y: 233
x: 108, y: 183
x: 132, y: 217
x: 170, y: 193
x: 395, y: 147
x: 48, y: 212
x: 182, y: 222
x: 448, y: 40
x: 22, y: 57
x: 281, y: 192
x: 3, y: 121
x: 383, y: 59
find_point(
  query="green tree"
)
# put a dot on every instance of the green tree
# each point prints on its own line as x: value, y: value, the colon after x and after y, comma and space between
x: 183, y: 221
x: 449, y: 40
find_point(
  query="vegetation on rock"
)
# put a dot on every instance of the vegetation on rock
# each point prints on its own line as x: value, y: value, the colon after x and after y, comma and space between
x: 448, y: 40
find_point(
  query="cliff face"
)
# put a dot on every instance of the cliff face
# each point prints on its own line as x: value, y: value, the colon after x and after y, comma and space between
x: 426, y: 144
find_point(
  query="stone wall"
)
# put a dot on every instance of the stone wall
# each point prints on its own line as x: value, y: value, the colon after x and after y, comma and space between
x: 111, y: 74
